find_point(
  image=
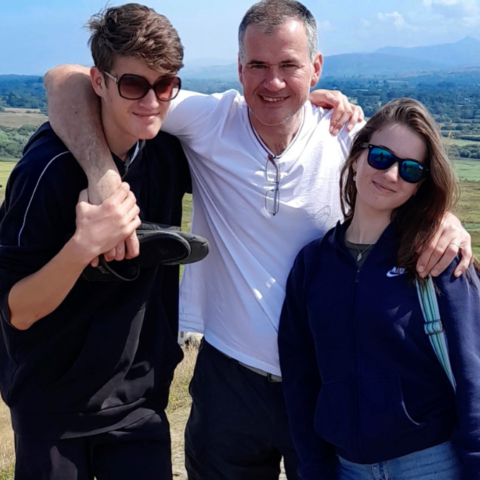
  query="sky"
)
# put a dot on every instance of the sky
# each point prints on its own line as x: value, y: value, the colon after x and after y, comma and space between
x: 37, y: 35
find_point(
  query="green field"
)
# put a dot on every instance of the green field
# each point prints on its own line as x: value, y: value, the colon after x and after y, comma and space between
x: 459, y: 142
x: 5, y: 169
x: 468, y: 209
x: 468, y: 170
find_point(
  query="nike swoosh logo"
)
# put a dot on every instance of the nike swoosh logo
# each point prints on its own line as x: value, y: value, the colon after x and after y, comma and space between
x: 395, y: 272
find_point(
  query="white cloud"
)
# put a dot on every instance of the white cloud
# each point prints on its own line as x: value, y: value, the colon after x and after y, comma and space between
x: 365, y: 23
x: 465, y: 11
x: 398, y: 19
x: 426, y: 22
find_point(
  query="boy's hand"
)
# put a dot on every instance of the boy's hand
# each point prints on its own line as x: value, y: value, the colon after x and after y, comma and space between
x: 102, y: 227
x: 97, y: 192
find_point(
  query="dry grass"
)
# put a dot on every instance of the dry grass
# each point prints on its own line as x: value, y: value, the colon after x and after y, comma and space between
x: 21, y: 110
x: 6, y: 439
x: 16, y: 117
x: 178, y: 409
x: 179, y: 396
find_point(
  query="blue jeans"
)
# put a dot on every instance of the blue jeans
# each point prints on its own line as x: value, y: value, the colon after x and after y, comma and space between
x: 435, y: 463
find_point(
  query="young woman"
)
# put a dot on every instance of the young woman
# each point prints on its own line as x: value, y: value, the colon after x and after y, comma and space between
x: 366, y: 395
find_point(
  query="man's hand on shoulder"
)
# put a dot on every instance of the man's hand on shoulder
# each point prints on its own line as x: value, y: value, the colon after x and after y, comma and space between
x: 450, y: 239
x: 344, y: 112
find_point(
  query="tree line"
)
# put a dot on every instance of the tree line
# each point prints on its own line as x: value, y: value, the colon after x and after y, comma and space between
x: 22, y: 91
x: 452, y: 98
x: 13, y: 140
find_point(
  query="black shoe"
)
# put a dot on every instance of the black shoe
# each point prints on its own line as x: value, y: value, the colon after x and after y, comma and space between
x: 159, y: 245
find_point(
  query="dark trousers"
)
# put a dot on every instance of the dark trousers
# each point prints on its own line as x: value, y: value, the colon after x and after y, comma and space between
x: 140, y: 451
x: 238, y: 427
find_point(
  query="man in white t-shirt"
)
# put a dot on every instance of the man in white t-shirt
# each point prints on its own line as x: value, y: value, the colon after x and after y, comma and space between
x: 265, y: 172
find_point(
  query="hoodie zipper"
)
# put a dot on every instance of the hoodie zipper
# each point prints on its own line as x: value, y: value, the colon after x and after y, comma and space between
x: 357, y: 443
x: 355, y: 365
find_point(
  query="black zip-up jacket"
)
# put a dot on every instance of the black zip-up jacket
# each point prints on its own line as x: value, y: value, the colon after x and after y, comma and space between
x: 360, y: 376
x: 105, y: 357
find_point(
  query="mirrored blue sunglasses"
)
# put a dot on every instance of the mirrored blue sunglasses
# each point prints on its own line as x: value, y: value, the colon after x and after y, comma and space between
x: 380, y: 158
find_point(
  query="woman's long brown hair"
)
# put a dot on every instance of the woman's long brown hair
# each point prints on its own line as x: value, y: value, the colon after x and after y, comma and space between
x: 419, y: 218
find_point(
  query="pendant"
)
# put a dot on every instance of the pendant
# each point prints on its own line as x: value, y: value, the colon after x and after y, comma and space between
x: 359, y: 257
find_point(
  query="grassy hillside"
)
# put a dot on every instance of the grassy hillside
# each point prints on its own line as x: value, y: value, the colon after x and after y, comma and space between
x: 468, y: 211
x: 468, y: 170
x: 16, y: 117
x: 5, y: 169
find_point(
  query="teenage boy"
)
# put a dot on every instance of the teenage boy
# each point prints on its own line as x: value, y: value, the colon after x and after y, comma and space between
x: 86, y: 366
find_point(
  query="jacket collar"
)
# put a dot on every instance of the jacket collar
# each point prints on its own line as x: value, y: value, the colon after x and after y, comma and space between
x: 337, y: 239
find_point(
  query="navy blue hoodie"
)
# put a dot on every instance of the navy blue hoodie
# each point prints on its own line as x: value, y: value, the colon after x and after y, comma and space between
x: 105, y: 357
x: 360, y: 377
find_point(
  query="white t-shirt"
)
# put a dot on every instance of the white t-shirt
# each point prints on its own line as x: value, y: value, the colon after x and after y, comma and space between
x: 235, y: 295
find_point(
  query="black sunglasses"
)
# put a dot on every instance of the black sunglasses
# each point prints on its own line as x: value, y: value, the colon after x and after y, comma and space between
x: 382, y: 159
x: 135, y: 87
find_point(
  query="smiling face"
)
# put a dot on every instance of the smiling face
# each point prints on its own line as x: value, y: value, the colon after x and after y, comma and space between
x: 382, y: 191
x: 276, y: 73
x: 126, y: 121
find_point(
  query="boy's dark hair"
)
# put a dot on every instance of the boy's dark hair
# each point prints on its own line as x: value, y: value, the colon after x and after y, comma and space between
x: 133, y: 30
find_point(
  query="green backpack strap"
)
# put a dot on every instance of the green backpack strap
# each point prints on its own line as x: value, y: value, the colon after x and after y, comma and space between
x: 433, y: 325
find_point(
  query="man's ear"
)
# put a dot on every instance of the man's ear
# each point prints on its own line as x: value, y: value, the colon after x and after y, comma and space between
x: 240, y: 70
x: 98, y: 81
x: 317, y: 69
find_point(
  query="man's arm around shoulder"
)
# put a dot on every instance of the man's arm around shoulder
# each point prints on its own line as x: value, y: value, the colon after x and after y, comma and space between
x: 74, y: 113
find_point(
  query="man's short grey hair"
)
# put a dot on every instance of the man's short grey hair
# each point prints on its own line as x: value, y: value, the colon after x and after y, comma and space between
x: 269, y: 15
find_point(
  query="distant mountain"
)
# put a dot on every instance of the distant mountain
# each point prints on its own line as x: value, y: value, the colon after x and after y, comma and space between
x: 399, y: 61
x: 384, y: 61
x: 465, y: 53
x: 369, y: 64
x: 207, y: 72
